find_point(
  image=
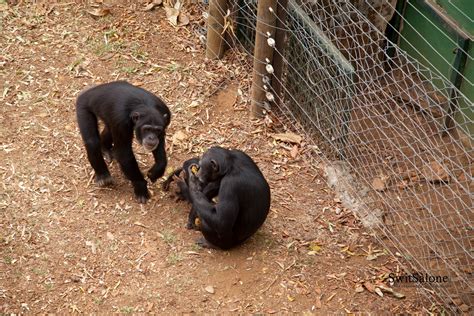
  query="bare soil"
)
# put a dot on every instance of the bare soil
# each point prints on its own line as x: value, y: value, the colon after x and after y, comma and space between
x: 69, y: 246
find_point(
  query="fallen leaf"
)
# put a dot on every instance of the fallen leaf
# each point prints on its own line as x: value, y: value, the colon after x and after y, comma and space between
x: 435, y: 172
x: 359, y: 288
x: 92, y: 245
x: 318, y: 303
x: 369, y: 286
x: 348, y: 251
x: 172, y: 15
x: 374, y: 256
x: 99, y: 12
x: 152, y: 5
x: 140, y: 224
x: 378, y: 291
x: 288, y: 138
x: 314, y: 249
x: 179, y: 137
x: 183, y: 19
x: 210, y: 289
x: 464, y: 308
x: 331, y: 297
x: 379, y: 184
x: 110, y: 236
x: 294, y: 152
x: 290, y: 298
x: 390, y: 290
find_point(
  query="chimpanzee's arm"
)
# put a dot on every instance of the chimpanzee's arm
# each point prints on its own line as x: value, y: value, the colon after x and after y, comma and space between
x: 159, y: 167
x: 221, y: 216
x: 128, y: 164
x: 211, y: 190
x: 167, y: 182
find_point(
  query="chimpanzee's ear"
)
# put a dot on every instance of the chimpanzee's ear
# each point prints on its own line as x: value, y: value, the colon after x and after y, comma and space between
x: 214, y: 165
x: 135, y: 116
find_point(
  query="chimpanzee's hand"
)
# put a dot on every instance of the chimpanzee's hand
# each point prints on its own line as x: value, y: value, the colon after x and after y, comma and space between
x: 194, y: 183
x: 156, y: 172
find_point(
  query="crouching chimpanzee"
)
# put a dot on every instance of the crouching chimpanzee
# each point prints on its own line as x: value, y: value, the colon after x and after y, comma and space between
x: 124, y: 109
x: 210, y: 190
x: 243, y: 197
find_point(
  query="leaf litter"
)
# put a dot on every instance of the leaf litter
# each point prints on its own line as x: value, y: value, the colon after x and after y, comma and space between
x: 128, y: 257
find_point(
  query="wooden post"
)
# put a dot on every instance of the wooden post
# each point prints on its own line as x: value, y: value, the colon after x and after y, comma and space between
x: 280, y: 44
x: 215, y: 28
x: 263, y: 53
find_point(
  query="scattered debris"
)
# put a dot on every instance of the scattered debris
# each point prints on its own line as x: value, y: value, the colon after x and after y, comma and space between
x: 99, y: 12
x: 435, y: 172
x: 210, y: 289
x: 291, y: 138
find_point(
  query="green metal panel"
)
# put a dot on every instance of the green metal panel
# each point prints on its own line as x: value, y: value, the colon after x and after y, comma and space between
x: 466, y: 121
x: 462, y: 11
x: 436, y: 38
x: 428, y: 39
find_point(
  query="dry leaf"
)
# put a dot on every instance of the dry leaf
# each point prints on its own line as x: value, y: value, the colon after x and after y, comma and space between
x: 435, y: 172
x: 374, y: 256
x: 314, y: 249
x: 288, y: 138
x: 369, y: 286
x: 464, y: 308
x: 179, y: 137
x: 379, y: 184
x: 294, y: 152
x: 378, y: 291
x: 390, y: 290
x: 290, y: 298
x: 318, y: 303
x: 359, y: 288
x: 152, y: 5
x: 172, y: 16
x: 210, y: 289
x: 183, y: 19
x: 99, y: 12
x: 172, y: 13
x: 92, y: 245
x: 110, y: 236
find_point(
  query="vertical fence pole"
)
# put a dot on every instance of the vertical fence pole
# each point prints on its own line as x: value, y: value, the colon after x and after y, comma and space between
x: 280, y: 44
x: 215, y: 27
x: 263, y: 53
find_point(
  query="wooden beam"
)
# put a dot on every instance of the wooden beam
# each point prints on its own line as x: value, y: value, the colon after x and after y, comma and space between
x: 263, y: 53
x: 280, y: 44
x: 215, y: 27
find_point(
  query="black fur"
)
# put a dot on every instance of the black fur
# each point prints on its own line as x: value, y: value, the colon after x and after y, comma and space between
x: 210, y: 190
x: 243, y: 199
x: 124, y: 109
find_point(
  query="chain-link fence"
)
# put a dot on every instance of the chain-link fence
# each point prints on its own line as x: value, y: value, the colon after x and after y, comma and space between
x: 402, y: 133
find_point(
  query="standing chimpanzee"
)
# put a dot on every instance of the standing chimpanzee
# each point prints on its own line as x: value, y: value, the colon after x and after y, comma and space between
x: 210, y: 190
x: 243, y: 197
x: 123, y: 108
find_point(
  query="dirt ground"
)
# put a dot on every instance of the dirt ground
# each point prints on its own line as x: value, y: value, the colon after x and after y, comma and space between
x: 68, y: 246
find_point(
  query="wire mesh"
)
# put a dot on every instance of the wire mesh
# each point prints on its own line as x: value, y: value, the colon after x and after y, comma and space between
x: 385, y: 115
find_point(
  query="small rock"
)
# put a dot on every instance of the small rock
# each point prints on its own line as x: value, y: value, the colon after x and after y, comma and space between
x: 210, y: 289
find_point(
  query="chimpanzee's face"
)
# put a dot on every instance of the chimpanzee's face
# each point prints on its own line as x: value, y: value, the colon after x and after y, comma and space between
x: 149, y: 128
x: 150, y: 136
x: 208, y: 170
